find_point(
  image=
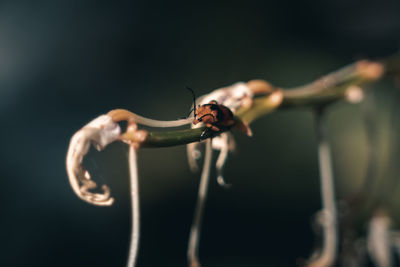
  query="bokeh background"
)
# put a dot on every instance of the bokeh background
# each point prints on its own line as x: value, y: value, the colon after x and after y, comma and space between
x: 62, y: 63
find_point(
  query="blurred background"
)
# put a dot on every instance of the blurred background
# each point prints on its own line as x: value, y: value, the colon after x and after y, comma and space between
x: 63, y: 63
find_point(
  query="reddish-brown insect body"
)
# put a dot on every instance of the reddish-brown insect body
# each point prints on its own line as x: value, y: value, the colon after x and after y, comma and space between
x: 215, y: 116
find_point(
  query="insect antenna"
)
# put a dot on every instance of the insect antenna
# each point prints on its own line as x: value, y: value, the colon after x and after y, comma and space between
x: 194, y: 101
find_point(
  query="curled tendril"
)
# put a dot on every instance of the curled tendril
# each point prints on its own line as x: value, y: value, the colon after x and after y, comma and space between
x: 100, y: 132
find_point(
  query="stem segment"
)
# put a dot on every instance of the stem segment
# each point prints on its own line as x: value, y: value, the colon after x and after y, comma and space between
x: 193, y: 249
x: 327, y: 255
x: 133, y: 172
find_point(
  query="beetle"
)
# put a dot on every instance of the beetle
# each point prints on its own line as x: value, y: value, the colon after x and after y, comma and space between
x: 215, y: 116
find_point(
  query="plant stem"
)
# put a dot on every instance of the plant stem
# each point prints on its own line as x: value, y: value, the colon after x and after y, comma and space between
x: 193, y: 253
x: 327, y: 255
x: 328, y: 89
x: 178, y: 137
x: 133, y: 172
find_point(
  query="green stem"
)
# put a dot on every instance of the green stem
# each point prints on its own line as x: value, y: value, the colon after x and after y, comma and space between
x: 178, y: 137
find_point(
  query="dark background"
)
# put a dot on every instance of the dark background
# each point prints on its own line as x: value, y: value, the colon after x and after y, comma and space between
x: 62, y: 63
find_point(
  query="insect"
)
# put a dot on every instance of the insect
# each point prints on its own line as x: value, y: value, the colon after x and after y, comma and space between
x: 215, y: 116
